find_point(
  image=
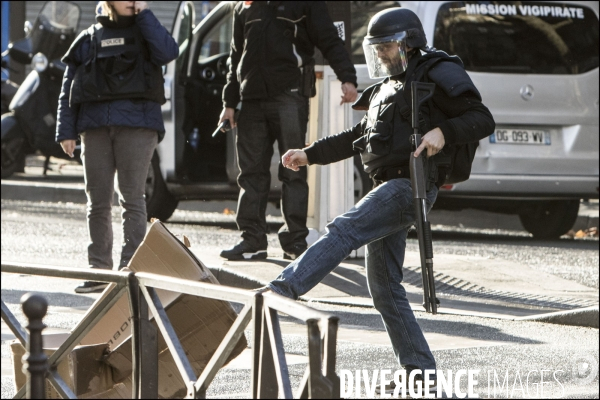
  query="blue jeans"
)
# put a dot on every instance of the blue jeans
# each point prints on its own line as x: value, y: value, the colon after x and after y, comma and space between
x: 381, y: 221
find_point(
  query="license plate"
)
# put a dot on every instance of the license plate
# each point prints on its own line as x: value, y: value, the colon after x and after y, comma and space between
x: 520, y: 136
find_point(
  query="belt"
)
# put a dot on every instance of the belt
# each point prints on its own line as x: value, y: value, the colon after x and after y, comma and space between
x: 391, y: 173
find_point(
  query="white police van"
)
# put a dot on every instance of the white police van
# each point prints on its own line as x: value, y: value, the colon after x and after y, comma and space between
x: 535, y: 64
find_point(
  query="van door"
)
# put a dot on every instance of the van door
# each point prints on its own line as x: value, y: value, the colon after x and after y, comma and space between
x: 203, y: 157
x: 160, y: 202
x: 175, y: 75
x: 213, y: 160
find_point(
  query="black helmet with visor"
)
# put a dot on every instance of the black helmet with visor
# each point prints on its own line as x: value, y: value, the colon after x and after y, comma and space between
x: 389, y: 34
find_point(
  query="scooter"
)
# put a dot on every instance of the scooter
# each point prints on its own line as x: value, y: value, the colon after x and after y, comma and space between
x: 30, y: 123
x: 9, y: 88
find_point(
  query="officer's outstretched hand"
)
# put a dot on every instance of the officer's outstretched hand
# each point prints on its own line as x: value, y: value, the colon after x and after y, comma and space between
x: 350, y: 93
x: 433, y: 141
x: 294, y: 159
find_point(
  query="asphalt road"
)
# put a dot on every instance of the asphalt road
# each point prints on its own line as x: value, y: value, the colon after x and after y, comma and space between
x: 56, y: 234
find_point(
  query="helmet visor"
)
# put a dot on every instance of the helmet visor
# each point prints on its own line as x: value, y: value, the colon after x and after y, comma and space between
x: 386, y: 56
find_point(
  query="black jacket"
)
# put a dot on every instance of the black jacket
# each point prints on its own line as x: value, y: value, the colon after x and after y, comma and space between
x: 272, y: 40
x: 468, y: 120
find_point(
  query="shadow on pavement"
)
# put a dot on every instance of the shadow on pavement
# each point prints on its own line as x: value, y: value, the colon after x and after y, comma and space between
x: 356, y: 287
x: 461, y: 329
x: 273, y: 226
x: 472, y: 331
x: 349, y: 280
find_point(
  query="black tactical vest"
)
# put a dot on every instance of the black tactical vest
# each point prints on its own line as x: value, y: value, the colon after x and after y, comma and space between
x: 386, y: 141
x: 118, y: 66
x: 386, y: 138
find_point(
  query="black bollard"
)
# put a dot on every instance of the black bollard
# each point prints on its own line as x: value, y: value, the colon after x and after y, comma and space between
x: 35, y: 360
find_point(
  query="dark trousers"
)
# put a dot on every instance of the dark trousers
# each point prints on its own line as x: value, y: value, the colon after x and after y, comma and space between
x: 282, y: 118
x: 126, y: 152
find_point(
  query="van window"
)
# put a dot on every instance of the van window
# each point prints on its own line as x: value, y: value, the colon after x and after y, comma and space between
x: 361, y: 13
x: 519, y: 37
x: 217, y: 40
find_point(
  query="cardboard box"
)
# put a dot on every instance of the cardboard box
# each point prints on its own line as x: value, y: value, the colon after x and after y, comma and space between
x: 83, y: 370
x: 160, y: 253
x: 118, y: 391
x: 200, y: 323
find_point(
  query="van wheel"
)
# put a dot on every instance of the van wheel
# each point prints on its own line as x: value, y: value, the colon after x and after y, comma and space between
x: 551, y: 219
x: 362, y: 181
x: 160, y: 203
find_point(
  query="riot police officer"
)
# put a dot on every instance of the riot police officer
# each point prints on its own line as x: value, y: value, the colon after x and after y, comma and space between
x: 396, y: 49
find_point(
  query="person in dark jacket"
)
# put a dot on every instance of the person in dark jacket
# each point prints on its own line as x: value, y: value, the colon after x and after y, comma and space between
x: 395, y: 48
x: 111, y: 97
x: 272, y: 75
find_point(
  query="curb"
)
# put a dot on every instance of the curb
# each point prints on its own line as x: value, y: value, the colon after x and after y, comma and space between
x: 49, y: 192
x: 75, y: 193
x: 478, y: 219
x: 230, y: 278
x: 586, y: 317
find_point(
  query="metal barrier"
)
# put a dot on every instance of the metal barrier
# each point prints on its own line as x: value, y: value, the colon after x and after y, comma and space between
x: 36, y: 361
x: 269, y: 373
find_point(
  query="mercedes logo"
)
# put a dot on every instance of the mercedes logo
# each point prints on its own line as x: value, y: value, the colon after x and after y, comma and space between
x: 527, y: 92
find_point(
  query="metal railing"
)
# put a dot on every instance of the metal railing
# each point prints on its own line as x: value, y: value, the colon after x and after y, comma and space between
x: 269, y: 372
x: 35, y: 360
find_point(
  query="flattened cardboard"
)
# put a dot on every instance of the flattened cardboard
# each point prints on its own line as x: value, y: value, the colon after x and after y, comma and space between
x: 83, y: 370
x: 200, y: 325
x: 114, y: 327
x: 118, y: 391
x: 162, y: 253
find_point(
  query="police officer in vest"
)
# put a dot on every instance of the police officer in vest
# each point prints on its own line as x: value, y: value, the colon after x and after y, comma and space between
x: 396, y: 50
x: 111, y: 97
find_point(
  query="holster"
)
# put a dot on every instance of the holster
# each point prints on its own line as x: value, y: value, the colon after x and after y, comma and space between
x: 307, y: 80
x: 431, y: 172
